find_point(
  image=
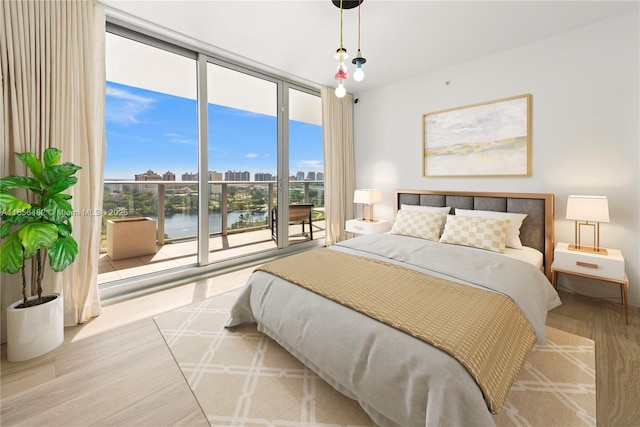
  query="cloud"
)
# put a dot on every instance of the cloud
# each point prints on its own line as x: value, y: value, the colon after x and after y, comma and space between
x: 251, y: 156
x: 123, y: 94
x: 177, y: 138
x: 124, y: 107
x: 310, y: 163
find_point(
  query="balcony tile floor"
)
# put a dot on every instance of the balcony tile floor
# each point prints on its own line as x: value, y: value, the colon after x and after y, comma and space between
x: 179, y: 254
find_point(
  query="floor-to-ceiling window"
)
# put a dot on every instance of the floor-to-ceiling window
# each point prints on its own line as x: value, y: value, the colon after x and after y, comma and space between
x: 242, y: 153
x: 152, y: 151
x: 220, y: 188
x: 306, y: 164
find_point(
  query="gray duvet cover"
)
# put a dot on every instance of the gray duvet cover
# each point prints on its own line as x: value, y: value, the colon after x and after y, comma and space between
x: 397, y: 379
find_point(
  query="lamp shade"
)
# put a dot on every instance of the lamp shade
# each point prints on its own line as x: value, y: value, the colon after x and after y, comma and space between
x: 588, y: 208
x: 367, y: 196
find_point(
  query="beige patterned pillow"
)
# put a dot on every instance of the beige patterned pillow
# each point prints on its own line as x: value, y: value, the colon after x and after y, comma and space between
x: 483, y: 233
x: 513, y: 228
x: 425, y: 225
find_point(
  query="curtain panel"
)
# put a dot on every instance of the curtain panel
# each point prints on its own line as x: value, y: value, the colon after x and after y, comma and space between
x: 339, y: 174
x: 52, y: 57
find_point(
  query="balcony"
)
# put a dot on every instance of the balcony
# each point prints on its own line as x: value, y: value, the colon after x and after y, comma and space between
x: 239, y: 221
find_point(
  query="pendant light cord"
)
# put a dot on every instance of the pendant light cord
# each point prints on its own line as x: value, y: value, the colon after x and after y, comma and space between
x: 340, y: 27
x: 359, y: 3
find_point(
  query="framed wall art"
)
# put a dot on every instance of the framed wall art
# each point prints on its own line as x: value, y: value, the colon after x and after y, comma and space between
x: 487, y: 139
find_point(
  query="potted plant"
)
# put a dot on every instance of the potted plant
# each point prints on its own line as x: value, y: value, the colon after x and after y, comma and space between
x: 37, y: 230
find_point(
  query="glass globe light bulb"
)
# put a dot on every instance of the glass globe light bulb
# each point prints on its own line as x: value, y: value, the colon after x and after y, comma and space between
x: 358, y: 61
x: 358, y: 75
x: 341, y: 91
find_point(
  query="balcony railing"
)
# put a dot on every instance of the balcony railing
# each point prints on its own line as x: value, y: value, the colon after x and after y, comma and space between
x: 177, y: 202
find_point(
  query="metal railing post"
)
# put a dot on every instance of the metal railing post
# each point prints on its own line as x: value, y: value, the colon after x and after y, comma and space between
x: 270, y: 208
x: 224, y: 209
x: 161, y: 214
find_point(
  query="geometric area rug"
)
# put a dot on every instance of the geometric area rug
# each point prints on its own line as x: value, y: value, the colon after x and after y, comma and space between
x: 241, y: 377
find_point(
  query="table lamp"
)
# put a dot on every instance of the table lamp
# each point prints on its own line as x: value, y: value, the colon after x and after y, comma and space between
x: 588, y: 211
x: 368, y: 198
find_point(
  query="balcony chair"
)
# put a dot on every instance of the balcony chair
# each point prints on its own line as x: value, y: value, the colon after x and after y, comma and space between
x: 298, y: 214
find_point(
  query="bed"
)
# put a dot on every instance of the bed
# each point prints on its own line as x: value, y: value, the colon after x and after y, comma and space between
x: 401, y: 375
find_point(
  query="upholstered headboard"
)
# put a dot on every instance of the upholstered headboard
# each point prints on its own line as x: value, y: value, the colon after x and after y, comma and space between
x: 536, y: 230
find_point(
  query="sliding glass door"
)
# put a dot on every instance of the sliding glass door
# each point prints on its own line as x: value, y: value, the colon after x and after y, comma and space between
x: 242, y: 152
x: 208, y: 150
x: 306, y: 165
x: 152, y: 152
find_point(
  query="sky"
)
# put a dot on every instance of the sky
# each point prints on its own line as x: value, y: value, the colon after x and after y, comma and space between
x: 151, y: 130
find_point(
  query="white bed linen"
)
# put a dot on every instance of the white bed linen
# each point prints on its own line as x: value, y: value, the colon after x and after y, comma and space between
x: 397, y: 379
x: 527, y: 254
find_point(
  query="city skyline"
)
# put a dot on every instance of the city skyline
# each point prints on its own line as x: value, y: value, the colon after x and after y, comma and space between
x: 151, y: 175
x: 159, y: 131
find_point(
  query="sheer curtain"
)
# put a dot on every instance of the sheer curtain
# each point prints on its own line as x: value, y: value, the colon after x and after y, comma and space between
x: 53, y: 91
x: 339, y: 175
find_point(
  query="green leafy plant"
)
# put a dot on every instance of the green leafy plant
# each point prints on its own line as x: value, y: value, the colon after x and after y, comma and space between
x: 42, y: 228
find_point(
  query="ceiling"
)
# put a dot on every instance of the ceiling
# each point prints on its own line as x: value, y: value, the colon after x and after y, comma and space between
x: 400, y: 39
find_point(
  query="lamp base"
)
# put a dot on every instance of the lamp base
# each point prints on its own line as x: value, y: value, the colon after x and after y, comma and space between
x: 590, y: 249
x: 369, y: 219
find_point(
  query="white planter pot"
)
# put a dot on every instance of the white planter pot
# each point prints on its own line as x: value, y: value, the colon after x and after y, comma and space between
x: 34, y: 331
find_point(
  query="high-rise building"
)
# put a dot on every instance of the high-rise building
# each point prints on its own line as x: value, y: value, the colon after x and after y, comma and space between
x: 215, y: 176
x: 262, y: 176
x: 215, y: 189
x: 311, y: 176
x: 320, y: 176
x: 299, y: 176
x: 237, y: 176
x: 147, y: 176
x: 188, y: 176
x: 168, y: 176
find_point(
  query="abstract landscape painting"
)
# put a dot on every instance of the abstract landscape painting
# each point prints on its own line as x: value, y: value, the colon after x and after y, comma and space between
x: 488, y: 139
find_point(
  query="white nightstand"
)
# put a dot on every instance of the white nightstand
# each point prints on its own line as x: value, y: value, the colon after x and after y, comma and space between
x: 358, y: 226
x: 607, y: 268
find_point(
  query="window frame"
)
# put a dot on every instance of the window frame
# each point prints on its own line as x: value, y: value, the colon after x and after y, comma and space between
x: 203, y: 54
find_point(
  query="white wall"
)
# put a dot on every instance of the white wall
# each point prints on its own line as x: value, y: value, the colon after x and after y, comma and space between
x: 585, y: 103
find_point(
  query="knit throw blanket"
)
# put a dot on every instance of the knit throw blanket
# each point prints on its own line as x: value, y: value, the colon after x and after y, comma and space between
x: 485, y: 331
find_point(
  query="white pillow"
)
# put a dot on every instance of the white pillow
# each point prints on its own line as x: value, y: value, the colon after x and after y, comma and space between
x: 515, y: 222
x: 424, y: 225
x: 482, y: 233
x: 420, y: 208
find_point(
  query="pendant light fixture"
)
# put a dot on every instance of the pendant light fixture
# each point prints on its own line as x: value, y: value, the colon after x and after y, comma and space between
x: 342, y: 73
x: 341, y: 55
x: 359, y: 59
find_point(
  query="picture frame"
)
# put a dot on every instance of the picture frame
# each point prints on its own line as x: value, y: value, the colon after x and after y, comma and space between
x: 491, y: 138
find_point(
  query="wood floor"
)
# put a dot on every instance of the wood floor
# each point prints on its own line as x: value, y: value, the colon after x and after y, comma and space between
x: 617, y: 353
x: 117, y: 371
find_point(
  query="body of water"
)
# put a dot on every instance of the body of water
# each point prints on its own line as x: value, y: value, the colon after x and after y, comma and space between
x: 184, y: 225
